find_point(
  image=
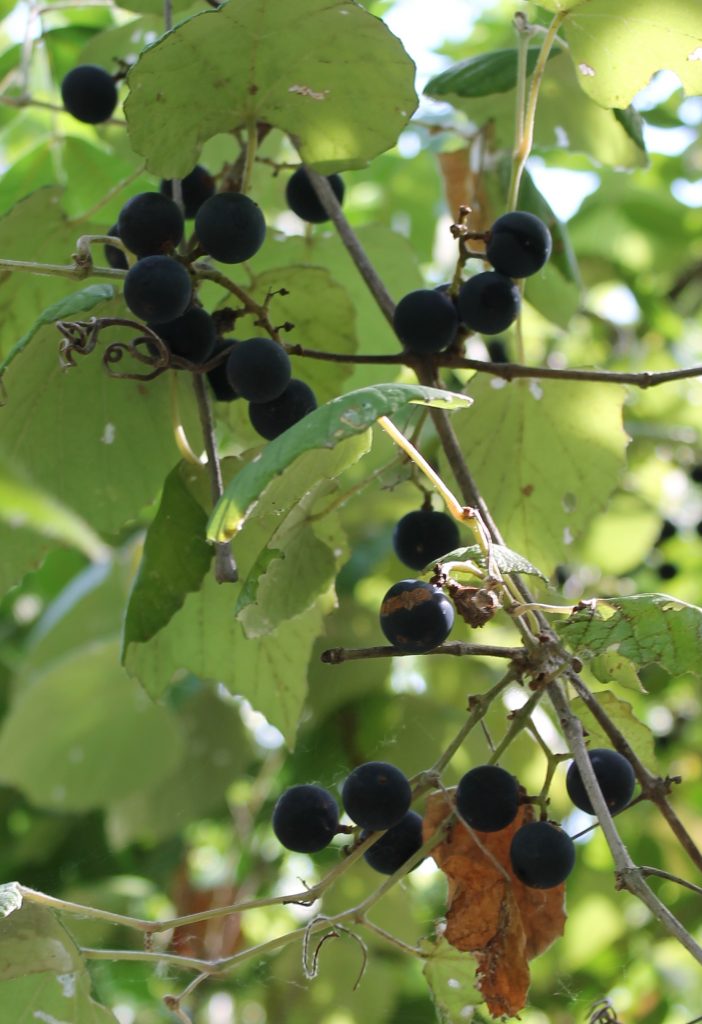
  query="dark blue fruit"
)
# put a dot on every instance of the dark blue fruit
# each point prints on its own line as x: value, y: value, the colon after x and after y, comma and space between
x: 190, y: 336
x: 542, y: 855
x: 217, y: 376
x: 614, y: 775
x: 305, y: 818
x: 259, y: 369
x: 415, y: 616
x: 397, y: 845
x: 89, y: 93
x: 269, y: 419
x: 519, y: 244
x: 376, y: 795
x: 426, y: 321
x: 150, y: 224
x: 487, y: 798
x: 195, y: 187
x: 114, y: 256
x: 423, y: 536
x: 230, y: 227
x: 489, y: 302
x: 303, y: 200
x: 157, y: 289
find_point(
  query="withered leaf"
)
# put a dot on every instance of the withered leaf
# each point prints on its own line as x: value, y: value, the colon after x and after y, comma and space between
x: 490, y: 912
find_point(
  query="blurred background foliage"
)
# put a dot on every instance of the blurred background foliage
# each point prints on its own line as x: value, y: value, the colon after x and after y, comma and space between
x: 164, y: 809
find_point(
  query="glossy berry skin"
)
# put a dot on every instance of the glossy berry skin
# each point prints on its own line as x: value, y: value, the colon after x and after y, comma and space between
x: 270, y: 419
x: 114, y: 256
x: 196, y: 187
x: 425, y: 321
x: 230, y: 227
x: 396, y: 846
x: 157, y: 289
x: 89, y: 93
x: 376, y: 795
x: 305, y: 818
x: 489, y: 302
x: 422, y: 536
x: 259, y: 369
x: 150, y: 224
x: 519, y: 244
x: 614, y: 775
x: 415, y: 616
x: 302, y: 198
x: 191, y: 336
x: 217, y: 376
x: 542, y: 855
x: 487, y: 798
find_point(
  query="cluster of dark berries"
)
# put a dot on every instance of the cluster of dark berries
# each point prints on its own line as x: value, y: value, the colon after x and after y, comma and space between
x: 376, y: 796
x: 428, y: 320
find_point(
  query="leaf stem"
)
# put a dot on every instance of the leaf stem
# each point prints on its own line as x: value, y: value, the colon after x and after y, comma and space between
x: 225, y: 566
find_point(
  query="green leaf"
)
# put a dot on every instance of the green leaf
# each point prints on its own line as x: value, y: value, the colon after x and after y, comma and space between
x: 43, y: 975
x: 203, y: 637
x: 217, y: 749
x: 341, y: 418
x: 112, y: 739
x: 611, y: 667
x: 452, y: 979
x: 616, y: 49
x: 97, y: 444
x: 621, y: 714
x: 324, y: 319
x: 482, y: 75
x: 175, y: 556
x: 633, y: 124
x: 546, y: 455
x: 506, y: 560
x: 10, y: 898
x: 329, y: 74
x: 23, y: 504
x: 647, y: 629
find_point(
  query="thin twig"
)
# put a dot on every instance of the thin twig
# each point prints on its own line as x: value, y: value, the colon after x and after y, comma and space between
x: 336, y: 655
x: 225, y: 566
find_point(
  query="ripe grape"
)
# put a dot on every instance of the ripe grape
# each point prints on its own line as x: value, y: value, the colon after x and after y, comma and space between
x: 614, y: 775
x: 425, y: 321
x: 195, y: 188
x: 114, y: 256
x: 89, y: 93
x: 519, y: 244
x: 415, y: 616
x: 230, y: 227
x: 217, y: 376
x: 150, y: 224
x: 269, y: 419
x: 303, y: 200
x: 397, y: 845
x: 422, y: 536
x: 191, y: 336
x: 542, y: 854
x: 157, y: 289
x: 487, y: 798
x: 259, y: 369
x: 489, y: 302
x: 376, y: 795
x: 305, y: 818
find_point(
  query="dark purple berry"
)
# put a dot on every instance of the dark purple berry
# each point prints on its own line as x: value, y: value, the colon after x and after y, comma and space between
x: 415, y: 616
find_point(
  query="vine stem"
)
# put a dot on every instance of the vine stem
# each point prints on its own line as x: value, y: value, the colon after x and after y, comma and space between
x: 336, y: 655
x: 452, y: 503
x: 251, y: 147
x: 524, y: 143
x: 60, y: 270
x: 225, y: 566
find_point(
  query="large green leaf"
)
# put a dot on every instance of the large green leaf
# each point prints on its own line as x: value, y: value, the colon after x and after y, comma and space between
x: 339, y: 419
x: 616, y: 48
x: 175, y: 557
x: 112, y: 741
x: 329, y: 74
x: 546, y: 455
x: 43, y: 975
x: 621, y: 714
x: 482, y: 75
x: 205, y: 638
x: 565, y: 118
x: 216, y: 750
x: 648, y: 629
x: 98, y: 444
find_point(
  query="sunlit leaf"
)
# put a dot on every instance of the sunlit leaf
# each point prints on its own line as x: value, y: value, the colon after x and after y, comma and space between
x: 451, y: 976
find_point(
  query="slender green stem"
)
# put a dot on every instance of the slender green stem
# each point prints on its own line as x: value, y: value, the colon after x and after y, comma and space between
x: 523, y: 35
x: 525, y: 142
x: 519, y: 721
x: 186, y: 963
x: 478, y: 711
x: 251, y: 147
x: 60, y: 270
x: 392, y: 939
